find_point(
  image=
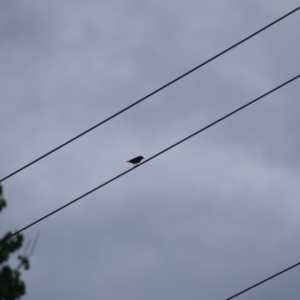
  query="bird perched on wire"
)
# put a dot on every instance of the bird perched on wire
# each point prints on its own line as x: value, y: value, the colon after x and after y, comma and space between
x: 136, y: 160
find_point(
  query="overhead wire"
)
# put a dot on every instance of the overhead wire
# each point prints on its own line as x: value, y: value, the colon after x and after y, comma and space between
x: 263, y: 281
x: 159, y: 153
x: 149, y: 95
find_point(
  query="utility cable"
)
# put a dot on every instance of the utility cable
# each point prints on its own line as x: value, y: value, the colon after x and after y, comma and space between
x: 263, y: 281
x: 159, y: 153
x: 151, y: 94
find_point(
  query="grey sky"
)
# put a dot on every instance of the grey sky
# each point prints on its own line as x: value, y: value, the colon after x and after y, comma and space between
x: 202, y: 221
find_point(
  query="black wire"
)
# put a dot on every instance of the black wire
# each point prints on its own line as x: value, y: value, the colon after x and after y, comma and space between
x: 159, y: 153
x: 151, y: 94
x: 263, y: 281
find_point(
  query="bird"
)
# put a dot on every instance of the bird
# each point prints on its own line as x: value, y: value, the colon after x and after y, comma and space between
x: 136, y: 160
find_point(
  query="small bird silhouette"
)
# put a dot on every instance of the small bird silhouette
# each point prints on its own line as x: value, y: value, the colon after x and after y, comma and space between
x: 136, y: 160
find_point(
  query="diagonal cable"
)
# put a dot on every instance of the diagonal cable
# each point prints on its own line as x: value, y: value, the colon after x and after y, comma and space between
x: 151, y: 94
x: 159, y: 153
x: 263, y: 281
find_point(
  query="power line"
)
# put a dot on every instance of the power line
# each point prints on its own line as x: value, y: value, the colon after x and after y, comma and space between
x: 263, y: 281
x: 151, y: 94
x: 159, y: 153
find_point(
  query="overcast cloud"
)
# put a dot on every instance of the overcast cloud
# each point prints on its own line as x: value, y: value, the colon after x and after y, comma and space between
x: 202, y: 221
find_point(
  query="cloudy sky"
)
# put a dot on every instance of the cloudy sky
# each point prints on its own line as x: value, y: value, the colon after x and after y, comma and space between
x: 204, y: 220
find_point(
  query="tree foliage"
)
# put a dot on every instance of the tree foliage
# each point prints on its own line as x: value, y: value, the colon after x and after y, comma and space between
x: 11, y: 285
